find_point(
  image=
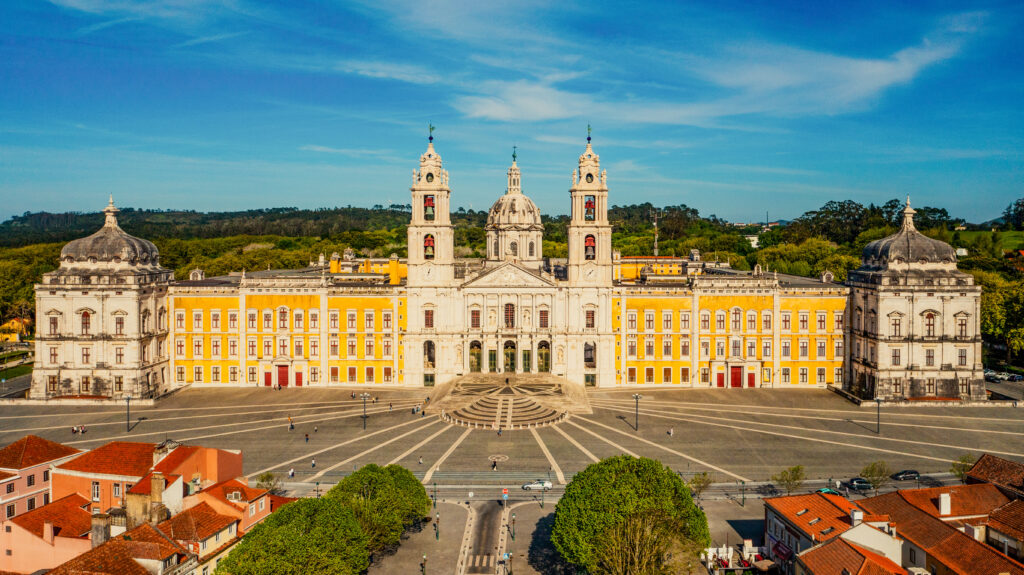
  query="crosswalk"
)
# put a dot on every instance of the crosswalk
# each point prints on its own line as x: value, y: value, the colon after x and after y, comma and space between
x: 480, y: 563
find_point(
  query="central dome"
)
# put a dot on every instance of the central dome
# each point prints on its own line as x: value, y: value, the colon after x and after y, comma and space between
x: 514, y: 209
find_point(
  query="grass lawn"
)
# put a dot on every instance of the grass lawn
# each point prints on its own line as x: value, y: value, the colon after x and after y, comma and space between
x: 13, y: 355
x: 16, y: 371
x: 1011, y: 240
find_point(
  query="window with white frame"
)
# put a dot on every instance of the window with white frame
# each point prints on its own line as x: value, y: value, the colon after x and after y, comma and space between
x: 803, y: 375
x: 197, y: 321
x: 631, y: 348
x: 649, y: 321
x: 314, y: 347
x: 631, y: 321
x: 766, y: 349
x: 369, y: 347
x: 351, y: 320
x: 215, y: 374
x: 684, y: 321
x: 684, y: 347
x: 215, y: 320
x: 197, y: 374
x: 666, y: 321
x: 785, y: 375
x: 649, y: 347
x: 299, y: 319
x: 368, y: 320
x: 385, y: 320
x: 766, y: 321
x: 666, y: 347
x: 314, y: 320
x: 251, y: 322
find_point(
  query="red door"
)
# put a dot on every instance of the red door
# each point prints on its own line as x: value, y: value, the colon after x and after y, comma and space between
x: 750, y: 379
x: 721, y: 379
x: 298, y: 379
x: 735, y: 377
x: 267, y: 379
x: 282, y: 375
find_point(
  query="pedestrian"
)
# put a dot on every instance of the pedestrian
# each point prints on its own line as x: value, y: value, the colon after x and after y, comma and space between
x: 291, y: 472
x: 389, y: 407
x: 314, y: 429
x: 671, y: 432
x: 353, y: 395
x: 421, y: 460
x: 499, y: 431
x: 307, y: 438
x: 314, y: 463
x: 494, y: 465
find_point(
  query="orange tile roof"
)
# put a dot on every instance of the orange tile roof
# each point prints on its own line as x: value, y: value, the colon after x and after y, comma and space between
x: 975, y: 499
x: 222, y: 489
x: 67, y: 515
x: 170, y: 463
x: 1002, y: 472
x: 1009, y: 519
x: 4, y: 475
x: 942, y: 542
x: 33, y: 450
x: 820, y: 516
x: 118, y: 555
x: 279, y: 501
x: 837, y: 556
x: 160, y: 545
x: 195, y: 523
x: 114, y: 458
x: 145, y: 484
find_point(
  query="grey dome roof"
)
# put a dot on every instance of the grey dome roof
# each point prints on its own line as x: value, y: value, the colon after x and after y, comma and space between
x: 908, y: 246
x: 514, y: 209
x: 111, y: 244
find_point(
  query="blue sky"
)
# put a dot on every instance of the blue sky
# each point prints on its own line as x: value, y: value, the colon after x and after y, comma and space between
x: 733, y: 108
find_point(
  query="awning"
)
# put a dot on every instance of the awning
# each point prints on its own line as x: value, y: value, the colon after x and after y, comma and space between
x: 782, y: 551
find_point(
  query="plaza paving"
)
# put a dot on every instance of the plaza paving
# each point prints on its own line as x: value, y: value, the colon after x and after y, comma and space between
x: 736, y: 435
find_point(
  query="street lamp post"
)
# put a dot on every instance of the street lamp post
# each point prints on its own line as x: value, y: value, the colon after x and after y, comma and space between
x: 435, y: 495
x: 128, y: 413
x: 513, y: 526
x: 423, y: 566
x: 636, y: 421
x: 364, y: 397
x: 878, y: 416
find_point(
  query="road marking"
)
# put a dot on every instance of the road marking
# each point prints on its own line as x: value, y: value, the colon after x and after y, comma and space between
x: 608, y: 403
x: 310, y: 455
x: 551, y: 460
x: 164, y: 409
x: 672, y: 451
x: 370, y: 450
x: 814, y: 439
x: 603, y: 438
x: 419, y: 445
x: 436, y: 465
x: 848, y: 434
x: 585, y: 451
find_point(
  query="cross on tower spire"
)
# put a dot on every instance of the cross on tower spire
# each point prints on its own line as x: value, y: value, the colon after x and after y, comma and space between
x: 588, y: 133
x: 513, y: 154
x: 430, y: 127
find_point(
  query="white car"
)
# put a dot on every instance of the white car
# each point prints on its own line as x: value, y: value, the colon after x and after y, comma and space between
x: 537, y: 484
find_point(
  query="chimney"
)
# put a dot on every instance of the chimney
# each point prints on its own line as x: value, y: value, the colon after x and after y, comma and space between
x: 100, y: 529
x: 157, y: 485
x: 945, y: 504
x: 856, y: 516
x: 48, y: 532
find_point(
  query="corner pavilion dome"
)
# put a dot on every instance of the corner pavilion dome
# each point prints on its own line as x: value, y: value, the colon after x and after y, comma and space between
x: 908, y: 246
x: 112, y: 245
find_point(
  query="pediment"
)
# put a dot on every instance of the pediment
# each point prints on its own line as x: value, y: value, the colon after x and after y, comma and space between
x: 509, y: 275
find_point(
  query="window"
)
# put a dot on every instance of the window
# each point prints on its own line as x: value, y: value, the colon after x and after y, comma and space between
x: 180, y: 374
x: 31, y: 503
x: 705, y: 349
x: 351, y: 348
x: 821, y: 349
x: 385, y: 320
x: 839, y: 320
x: 785, y: 375
x: 86, y: 322
x: 53, y: 355
x: 386, y: 345
x: 252, y: 375
x: 233, y: 320
x: 589, y: 247
x: 510, y: 315
x: 630, y: 375
x: 751, y: 348
x: 666, y: 321
x: 334, y: 320
x: 737, y: 318
x: 631, y: 348
x: 233, y: 374
x: 961, y: 327
x: 368, y: 347
x: 720, y: 349
x: 631, y: 321
x: 197, y: 347
x: 334, y: 347
x: 314, y: 320
x: 369, y: 375
x: 895, y: 326
x: 766, y: 349
x: 751, y: 321
x: 929, y: 357
x: 428, y: 247
x: 51, y: 383
x: 837, y: 376
x: 474, y: 319
x: 649, y: 321
x: 737, y: 348
x: 53, y: 326
x: 387, y: 374
x: 368, y: 320
x: 197, y: 321
x: 929, y: 324
x: 666, y: 347
x: 252, y: 348
x: 803, y: 322
x: 298, y: 319
x: 838, y: 348
x: 252, y: 320
x: 821, y: 375
x: 543, y: 319
x: 428, y: 318
x: 803, y: 375
x: 896, y: 356
x: 282, y: 319
x: 649, y: 375
x: 10, y: 487
x: 31, y: 480
x: 118, y: 383
x: 215, y: 320
x: 961, y: 355
x: 233, y: 347
x: 684, y: 321
x: 86, y: 354
x: 252, y: 509
x: 198, y: 374
x: 314, y: 374
x: 705, y: 375
x: 314, y: 347
x: 117, y: 490
x: 804, y: 349
x: 684, y: 348
x: 268, y: 320
x: 282, y: 347
x: 46, y: 475
x: 785, y: 322
x: 720, y: 321
x: 531, y: 250
x: 929, y: 386
x: 118, y: 325
x: 590, y: 319
x: 766, y: 321
x: 352, y: 375
x: 965, y: 386
x: 705, y: 321
x: 684, y: 375
x: 95, y: 490
x: 785, y: 349
x: 10, y: 511
x: 298, y: 347
x: 215, y: 347
x: 179, y: 320
x: 649, y: 347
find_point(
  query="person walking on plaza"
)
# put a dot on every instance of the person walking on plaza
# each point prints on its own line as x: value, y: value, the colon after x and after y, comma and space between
x: 291, y: 472
x: 421, y: 460
x: 671, y: 431
x: 307, y: 438
x: 314, y: 429
x: 314, y: 463
x: 390, y: 406
x: 494, y: 465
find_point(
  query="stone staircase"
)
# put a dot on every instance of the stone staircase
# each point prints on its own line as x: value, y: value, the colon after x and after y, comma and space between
x: 486, y: 401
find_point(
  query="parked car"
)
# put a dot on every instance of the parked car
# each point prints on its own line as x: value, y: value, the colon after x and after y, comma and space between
x: 537, y: 484
x: 1003, y: 375
x: 828, y: 491
x: 859, y: 484
x: 1015, y: 377
x: 906, y: 475
x: 991, y: 378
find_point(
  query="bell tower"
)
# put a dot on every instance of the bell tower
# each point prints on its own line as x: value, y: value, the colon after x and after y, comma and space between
x: 431, y: 237
x: 590, y: 234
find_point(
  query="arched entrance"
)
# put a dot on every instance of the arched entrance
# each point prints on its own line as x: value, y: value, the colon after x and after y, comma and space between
x: 544, y: 357
x: 475, y: 356
x: 510, y: 356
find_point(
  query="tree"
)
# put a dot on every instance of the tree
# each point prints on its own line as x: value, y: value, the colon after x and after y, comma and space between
x: 600, y: 522
x: 962, y: 465
x: 1014, y: 214
x: 790, y: 479
x: 877, y: 473
x: 699, y: 483
x: 386, y: 500
x: 269, y: 481
x: 306, y: 537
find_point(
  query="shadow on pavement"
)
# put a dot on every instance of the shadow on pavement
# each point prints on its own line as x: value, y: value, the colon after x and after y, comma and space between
x: 543, y: 556
x: 752, y: 529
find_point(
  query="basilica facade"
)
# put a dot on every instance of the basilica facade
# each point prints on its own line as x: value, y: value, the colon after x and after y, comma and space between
x: 113, y: 323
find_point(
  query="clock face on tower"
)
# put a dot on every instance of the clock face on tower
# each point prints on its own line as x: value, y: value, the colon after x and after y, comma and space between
x: 590, y: 272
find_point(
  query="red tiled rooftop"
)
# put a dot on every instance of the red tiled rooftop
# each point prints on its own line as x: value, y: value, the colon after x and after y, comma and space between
x: 33, y: 450
x: 1002, y: 472
x: 222, y: 489
x: 837, y: 556
x: 67, y: 515
x: 114, y: 458
x: 830, y: 513
x: 170, y: 463
x: 1009, y: 519
x: 111, y: 558
x: 145, y: 484
x: 975, y: 499
x: 195, y: 523
x: 160, y: 545
x: 279, y: 501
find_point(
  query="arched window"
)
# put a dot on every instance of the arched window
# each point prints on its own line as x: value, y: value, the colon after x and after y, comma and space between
x: 589, y: 247
x: 86, y: 322
x: 428, y: 247
x: 510, y: 315
x: 513, y: 248
x: 531, y: 249
x: 495, y: 251
x: 929, y: 324
x: 428, y: 205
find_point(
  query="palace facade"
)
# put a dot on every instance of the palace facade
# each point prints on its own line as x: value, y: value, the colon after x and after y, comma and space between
x: 112, y: 322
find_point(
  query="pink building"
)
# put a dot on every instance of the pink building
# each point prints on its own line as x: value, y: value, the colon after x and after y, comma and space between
x: 25, y: 473
x: 235, y: 498
x: 46, y: 537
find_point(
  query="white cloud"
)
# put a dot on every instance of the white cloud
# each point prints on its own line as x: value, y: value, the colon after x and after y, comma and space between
x: 389, y: 70
x: 208, y: 39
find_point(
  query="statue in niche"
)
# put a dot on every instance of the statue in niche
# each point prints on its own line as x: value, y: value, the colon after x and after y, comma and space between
x: 458, y: 355
x: 526, y: 318
x: 561, y: 355
x: 492, y: 318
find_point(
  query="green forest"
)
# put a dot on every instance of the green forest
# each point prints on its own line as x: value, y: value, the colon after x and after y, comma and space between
x: 828, y: 238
